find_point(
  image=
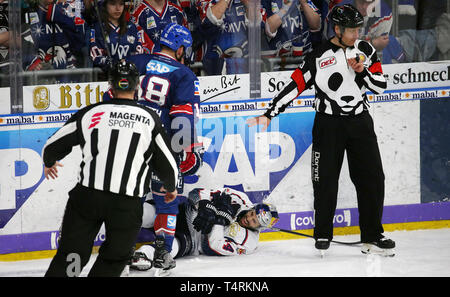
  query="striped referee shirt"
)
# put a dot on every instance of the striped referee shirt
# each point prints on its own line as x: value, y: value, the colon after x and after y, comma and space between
x: 121, y: 142
x: 339, y: 89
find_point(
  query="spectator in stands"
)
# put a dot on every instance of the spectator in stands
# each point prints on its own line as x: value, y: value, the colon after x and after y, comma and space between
x: 53, y: 32
x: 292, y: 20
x: 200, y: 31
x: 378, y: 21
x: 317, y: 37
x: 227, y: 50
x: 73, y: 8
x: 152, y: 16
x: 23, y: 43
x: 4, y: 43
x: 425, y: 38
x: 122, y: 37
x: 77, y: 8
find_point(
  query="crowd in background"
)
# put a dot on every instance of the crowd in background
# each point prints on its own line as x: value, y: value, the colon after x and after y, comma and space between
x: 69, y: 34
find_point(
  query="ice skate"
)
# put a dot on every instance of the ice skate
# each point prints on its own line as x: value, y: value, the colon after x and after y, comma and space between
x: 126, y: 271
x: 160, y: 272
x: 140, y: 262
x: 383, y: 246
x: 162, y: 258
x: 322, y: 244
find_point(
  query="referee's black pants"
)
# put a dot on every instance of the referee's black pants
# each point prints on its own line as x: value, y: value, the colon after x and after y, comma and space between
x: 87, y: 209
x: 355, y: 135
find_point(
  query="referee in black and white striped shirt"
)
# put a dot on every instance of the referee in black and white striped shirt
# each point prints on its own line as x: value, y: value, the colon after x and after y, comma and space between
x: 122, y: 143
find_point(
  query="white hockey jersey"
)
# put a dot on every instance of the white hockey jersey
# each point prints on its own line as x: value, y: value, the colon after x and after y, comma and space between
x: 232, y: 239
x: 222, y: 240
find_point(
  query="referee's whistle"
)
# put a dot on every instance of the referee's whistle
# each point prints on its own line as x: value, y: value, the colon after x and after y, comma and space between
x: 360, y: 58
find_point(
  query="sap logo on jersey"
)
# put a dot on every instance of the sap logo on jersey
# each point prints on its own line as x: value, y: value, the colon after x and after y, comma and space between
x: 171, y: 221
x: 327, y: 62
x: 159, y: 67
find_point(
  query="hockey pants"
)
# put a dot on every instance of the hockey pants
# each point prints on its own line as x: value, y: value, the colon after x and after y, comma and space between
x: 354, y: 135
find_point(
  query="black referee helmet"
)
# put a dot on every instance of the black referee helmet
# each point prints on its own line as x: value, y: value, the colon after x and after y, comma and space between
x: 346, y: 16
x: 124, y: 76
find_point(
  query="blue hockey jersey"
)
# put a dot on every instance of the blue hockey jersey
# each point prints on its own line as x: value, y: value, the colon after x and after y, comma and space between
x: 120, y: 46
x: 53, y: 33
x: 230, y: 43
x: 293, y: 36
x: 152, y: 22
x: 172, y: 89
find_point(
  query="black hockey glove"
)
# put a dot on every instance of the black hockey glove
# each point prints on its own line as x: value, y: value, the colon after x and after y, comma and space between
x: 225, y: 211
x: 204, y: 220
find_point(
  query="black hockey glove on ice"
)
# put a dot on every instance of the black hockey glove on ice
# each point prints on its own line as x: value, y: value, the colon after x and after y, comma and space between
x: 225, y: 211
x: 204, y: 220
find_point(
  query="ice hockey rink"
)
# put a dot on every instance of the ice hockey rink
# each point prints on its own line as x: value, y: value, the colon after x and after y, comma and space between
x: 419, y: 253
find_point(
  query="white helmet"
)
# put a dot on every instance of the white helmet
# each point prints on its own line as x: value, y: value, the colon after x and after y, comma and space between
x: 267, y: 215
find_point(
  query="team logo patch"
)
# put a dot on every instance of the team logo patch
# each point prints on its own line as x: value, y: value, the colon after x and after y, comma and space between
x: 327, y: 62
x: 171, y: 222
x: 95, y: 119
x: 197, y: 88
x: 151, y: 23
x: 240, y: 10
x: 274, y: 7
x: 130, y: 39
x: 34, y: 18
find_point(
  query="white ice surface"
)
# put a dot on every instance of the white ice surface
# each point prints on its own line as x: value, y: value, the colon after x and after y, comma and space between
x: 419, y: 253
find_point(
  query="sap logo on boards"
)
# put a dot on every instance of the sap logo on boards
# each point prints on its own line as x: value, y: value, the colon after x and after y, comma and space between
x: 248, y: 160
x: 22, y: 168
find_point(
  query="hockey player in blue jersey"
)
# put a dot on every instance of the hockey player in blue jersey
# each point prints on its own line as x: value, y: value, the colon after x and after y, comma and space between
x: 171, y: 88
x: 230, y: 45
x: 152, y: 16
x: 294, y: 19
x: 53, y: 33
x: 122, y: 36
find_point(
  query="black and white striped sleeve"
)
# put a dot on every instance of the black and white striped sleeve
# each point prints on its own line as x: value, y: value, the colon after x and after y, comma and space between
x: 301, y: 79
x: 372, y: 76
x: 61, y: 142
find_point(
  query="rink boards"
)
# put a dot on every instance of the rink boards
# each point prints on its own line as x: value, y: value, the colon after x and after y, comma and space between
x: 411, y: 121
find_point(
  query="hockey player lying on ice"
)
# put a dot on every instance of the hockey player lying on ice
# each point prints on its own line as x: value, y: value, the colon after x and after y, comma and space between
x: 222, y: 222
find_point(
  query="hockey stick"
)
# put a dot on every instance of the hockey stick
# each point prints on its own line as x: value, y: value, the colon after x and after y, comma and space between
x: 310, y: 236
x: 97, y: 12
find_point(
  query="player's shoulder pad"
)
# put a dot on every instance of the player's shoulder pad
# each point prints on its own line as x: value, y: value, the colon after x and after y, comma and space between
x: 186, y: 73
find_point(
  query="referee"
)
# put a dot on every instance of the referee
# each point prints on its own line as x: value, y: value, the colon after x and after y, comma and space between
x: 341, y: 70
x: 122, y: 143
